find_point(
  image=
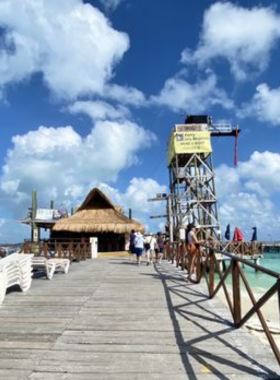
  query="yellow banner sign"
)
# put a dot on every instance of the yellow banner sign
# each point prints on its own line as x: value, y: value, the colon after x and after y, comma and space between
x: 189, y: 142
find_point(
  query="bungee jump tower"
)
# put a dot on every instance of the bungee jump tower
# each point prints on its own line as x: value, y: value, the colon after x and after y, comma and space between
x: 193, y: 197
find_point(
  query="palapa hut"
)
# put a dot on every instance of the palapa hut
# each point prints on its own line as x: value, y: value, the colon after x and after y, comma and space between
x: 97, y: 217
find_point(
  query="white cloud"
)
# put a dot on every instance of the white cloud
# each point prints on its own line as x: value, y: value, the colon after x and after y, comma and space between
x: 244, y: 37
x: 247, y: 194
x: 60, y: 164
x: 124, y: 94
x: 180, y: 95
x: 110, y: 4
x: 137, y: 194
x: 136, y: 197
x: 263, y: 168
x: 227, y: 180
x: 99, y: 110
x: 140, y: 190
x: 247, y: 210
x: 264, y: 106
x: 71, y: 43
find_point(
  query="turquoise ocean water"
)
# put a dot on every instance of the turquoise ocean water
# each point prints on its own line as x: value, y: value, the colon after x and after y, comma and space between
x: 271, y: 261
x: 261, y: 281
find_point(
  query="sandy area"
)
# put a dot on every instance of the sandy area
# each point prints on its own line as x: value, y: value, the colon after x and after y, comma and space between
x: 270, y: 312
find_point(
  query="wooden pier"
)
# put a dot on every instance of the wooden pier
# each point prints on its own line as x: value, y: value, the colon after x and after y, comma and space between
x: 222, y: 260
x: 110, y: 319
x: 272, y: 247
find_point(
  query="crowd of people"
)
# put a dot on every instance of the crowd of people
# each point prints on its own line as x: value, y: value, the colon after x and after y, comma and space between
x: 156, y: 247
x: 153, y: 245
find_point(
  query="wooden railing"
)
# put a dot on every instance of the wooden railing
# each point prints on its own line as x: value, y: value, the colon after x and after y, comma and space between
x: 74, y: 250
x: 210, y: 267
x: 243, y: 248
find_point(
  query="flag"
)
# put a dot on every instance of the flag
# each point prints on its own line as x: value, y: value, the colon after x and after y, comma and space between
x: 238, y: 235
x: 254, y: 236
x: 227, y: 233
x: 235, y: 146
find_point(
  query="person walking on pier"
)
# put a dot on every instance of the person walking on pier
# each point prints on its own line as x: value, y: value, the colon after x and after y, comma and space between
x: 132, y: 237
x: 149, y: 246
x: 159, y: 248
x: 139, y: 246
x: 193, y: 253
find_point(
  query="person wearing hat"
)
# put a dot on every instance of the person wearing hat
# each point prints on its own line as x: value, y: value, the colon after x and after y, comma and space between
x: 193, y: 253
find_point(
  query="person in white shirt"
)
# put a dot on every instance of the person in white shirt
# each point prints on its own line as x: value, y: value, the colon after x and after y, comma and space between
x: 138, y: 246
x: 149, y: 245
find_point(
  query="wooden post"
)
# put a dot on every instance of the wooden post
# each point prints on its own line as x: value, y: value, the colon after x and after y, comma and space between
x: 211, y: 272
x: 59, y: 250
x: 34, y: 228
x: 45, y: 249
x: 172, y: 253
x: 70, y: 257
x: 236, y: 292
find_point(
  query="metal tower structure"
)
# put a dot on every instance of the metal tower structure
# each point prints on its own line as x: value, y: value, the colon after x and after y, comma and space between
x: 193, y: 197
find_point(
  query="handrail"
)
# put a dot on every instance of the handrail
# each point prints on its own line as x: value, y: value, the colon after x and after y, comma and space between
x: 209, y: 263
x: 246, y: 262
x: 70, y: 249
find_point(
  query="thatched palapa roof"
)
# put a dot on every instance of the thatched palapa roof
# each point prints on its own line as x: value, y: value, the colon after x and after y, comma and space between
x: 97, y: 214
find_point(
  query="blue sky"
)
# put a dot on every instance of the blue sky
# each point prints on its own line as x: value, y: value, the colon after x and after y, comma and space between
x: 90, y: 90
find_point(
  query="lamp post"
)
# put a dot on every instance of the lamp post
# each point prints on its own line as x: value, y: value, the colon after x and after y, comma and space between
x: 270, y: 237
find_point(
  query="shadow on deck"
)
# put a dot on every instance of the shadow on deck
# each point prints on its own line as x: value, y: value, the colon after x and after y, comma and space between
x: 110, y: 319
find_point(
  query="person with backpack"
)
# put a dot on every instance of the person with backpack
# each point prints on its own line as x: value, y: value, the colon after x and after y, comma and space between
x: 149, y: 245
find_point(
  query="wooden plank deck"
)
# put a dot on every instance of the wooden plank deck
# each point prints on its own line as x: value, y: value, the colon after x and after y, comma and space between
x: 110, y: 319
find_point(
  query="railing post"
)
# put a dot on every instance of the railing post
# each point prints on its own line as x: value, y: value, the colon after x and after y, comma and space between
x: 172, y: 253
x: 211, y: 272
x: 71, y: 249
x: 236, y: 292
x: 78, y: 257
x: 278, y: 282
x: 177, y: 255
x: 185, y: 256
x: 45, y: 249
x: 25, y: 248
